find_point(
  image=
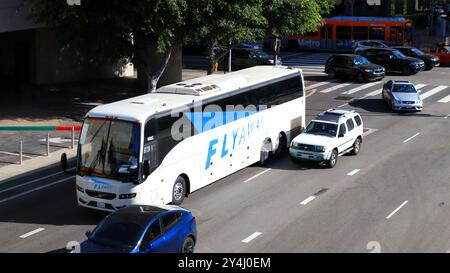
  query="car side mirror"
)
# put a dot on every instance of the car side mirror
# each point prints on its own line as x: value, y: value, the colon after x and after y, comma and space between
x: 146, y: 168
x: 88, y: 233
x: 64, y: 164
x: 341, y: 135
x: 419, y: 91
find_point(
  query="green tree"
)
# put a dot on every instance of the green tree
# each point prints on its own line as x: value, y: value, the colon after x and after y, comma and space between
x: 287, y: 17
x: 222, y: 24
x: 141, y: 31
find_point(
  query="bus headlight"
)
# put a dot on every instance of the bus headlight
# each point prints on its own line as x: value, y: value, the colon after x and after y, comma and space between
x: 80, y: 189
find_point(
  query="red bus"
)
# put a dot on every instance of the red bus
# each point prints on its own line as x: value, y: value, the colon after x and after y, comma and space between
x: 342, y: 32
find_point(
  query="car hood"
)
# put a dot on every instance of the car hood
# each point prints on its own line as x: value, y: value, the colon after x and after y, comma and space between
x: 312, y: 139
x: 371, y: 66
x: 430, y: 57
x: 90, y: 247
x: 406, y: 96
x: 412, y: 59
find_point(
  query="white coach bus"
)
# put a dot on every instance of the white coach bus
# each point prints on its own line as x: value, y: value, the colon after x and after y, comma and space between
x: 158, y: 148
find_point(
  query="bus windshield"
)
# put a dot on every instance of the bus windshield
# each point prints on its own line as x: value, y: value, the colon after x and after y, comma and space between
x: 109, y: 148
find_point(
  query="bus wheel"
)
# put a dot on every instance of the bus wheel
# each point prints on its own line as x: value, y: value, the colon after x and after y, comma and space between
x: 178, y: 191
x: 281, y: 144
x: 265, y: 152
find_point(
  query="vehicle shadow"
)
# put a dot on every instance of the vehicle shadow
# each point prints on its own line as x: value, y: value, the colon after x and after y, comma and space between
x: 284, y: 162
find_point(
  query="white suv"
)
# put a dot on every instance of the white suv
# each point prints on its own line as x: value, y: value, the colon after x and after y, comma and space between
x: 331, y: 134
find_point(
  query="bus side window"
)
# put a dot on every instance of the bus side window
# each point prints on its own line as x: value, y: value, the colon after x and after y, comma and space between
x: 151, y: 144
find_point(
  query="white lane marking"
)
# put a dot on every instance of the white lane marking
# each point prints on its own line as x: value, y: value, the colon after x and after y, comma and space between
x: 36, y: 189
x: 318, y: 84
x: 32, y: 233
x: 369, y: 131
x: 406, y: 140
x: 33, y: 181
x: 16, y: 154
x: 445, y: 100
x: 420, y: 86
x: 352, y: 173
x: 433, y: 91
x: 397, y: 209
x: 342, y: 105
x: 251, y: 237
x: 362, y: 87
x: 448, y: 116
x: 307, y: 200
x: 373, y: 94
x: 255, y: 176
x: 336, y: 87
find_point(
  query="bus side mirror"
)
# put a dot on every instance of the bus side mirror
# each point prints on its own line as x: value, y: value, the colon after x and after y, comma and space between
x: 146, y: 168
x: 64, y: 165
x: 64, y: 162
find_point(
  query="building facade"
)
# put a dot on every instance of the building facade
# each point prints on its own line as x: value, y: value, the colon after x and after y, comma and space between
x: 30, y: 53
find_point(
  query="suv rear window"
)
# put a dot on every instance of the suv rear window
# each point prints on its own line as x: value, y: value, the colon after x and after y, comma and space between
x: 358, y: 120
x: 350, y: 124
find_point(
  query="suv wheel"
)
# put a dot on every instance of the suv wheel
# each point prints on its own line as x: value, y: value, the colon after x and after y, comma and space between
x: 360, y: 78
x: 333, y: 159
x: 356, y: 146
x: 331, y: 74
x: 406, y: 70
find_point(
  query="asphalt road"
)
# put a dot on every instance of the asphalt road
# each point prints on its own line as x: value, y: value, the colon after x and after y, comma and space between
x: 394, y: 196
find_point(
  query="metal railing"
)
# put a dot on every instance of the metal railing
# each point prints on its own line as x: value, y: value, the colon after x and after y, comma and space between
x: 72, y: 129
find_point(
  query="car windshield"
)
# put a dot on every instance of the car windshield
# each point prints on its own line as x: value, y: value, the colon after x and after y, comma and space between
x: 398, y: 54
x: 404, y: 88
x: 360, y: 60
x: 116, y: 233
x: 109, y: 148
x: 260, y: 54
x: 417, y: 51
x: 321, y: 128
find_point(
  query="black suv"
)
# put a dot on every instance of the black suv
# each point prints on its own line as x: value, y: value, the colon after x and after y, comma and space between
x: 248, y: 57
x: 353, y: 66
x: 393, y: 60
x: 429, y: 60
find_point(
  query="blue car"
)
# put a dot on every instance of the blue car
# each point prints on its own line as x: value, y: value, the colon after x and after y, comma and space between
x: 144, y: 229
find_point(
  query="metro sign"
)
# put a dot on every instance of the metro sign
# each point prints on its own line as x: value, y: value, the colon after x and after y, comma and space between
x: 374, y: 2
